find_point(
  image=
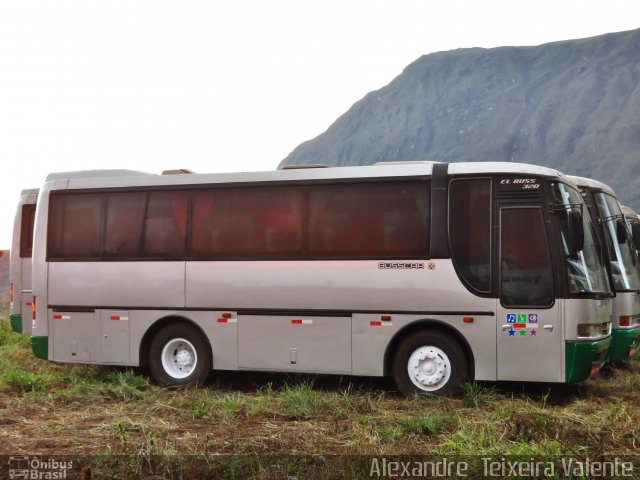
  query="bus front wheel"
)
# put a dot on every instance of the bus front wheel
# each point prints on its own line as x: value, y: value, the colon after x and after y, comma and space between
x: 179, y: 356
x: 429, y: 362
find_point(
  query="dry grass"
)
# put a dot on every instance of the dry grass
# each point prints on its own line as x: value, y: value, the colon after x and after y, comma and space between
x: 48, y: 408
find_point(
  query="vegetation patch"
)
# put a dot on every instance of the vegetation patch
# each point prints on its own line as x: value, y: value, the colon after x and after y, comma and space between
x: 52, y: 408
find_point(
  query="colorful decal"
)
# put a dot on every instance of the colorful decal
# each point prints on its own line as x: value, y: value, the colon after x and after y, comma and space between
x: 522, y: 324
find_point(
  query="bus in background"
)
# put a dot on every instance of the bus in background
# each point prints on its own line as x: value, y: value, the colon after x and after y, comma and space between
x: 622, y: 263
x: 633, y: 222
x: 20, y: 295
x: 432, y: 273
x: 20, y: 263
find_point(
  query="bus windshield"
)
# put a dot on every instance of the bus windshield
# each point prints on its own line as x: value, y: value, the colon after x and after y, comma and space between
x: 624, y: 264
x: 585, y: 271
x: 633, y: 222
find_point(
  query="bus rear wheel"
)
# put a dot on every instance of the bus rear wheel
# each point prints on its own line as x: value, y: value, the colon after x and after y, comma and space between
x: 179, y: 356
x: 429, y: 362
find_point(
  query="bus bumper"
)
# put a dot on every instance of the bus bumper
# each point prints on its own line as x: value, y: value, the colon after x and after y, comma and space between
x: 625, y: 342
x: 40, y: 347
x: 16, y: 322
x: 584, y: 359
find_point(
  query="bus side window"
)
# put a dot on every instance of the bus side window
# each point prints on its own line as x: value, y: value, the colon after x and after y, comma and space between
x: 470, y: 231
x: 382, y: 220
x: 76, y: 223
x: 26, y: 230
x: 165, y: 229
x: 525, y: 259
x: 125, y: 212
x: 247, y: 223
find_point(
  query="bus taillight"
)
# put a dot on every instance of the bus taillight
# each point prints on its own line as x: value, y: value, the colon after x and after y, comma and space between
x: 33, y: 308
x: 11, y: 294
x: 625, y: 320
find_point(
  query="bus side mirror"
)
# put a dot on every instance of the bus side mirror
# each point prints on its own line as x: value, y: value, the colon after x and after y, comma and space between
x: 576, y: 231
x: 621, y: 230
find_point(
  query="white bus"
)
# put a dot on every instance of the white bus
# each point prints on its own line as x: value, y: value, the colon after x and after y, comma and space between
x: 433, y: 273
x: 20, y: 295
x: 622, y: 263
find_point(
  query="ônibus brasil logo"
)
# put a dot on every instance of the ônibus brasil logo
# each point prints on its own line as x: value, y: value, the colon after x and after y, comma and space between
x: 36, y: 468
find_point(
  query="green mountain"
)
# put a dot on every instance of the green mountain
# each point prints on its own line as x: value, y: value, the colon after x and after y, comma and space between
x: 572, y: 105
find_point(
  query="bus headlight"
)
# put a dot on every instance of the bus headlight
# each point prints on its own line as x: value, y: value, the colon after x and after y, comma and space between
x: 591, y: 330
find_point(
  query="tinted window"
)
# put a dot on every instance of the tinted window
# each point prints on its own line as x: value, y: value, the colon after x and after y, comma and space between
x: 470, y: 231
x: 382, y: 220
x: 165, y: 229
x: 526, y: 276
x: 249, y: 222
x: 26, y: 230
x: 125, y: 214
x: 585, y: 271
x: 622, y: 257
x: 75, y: 225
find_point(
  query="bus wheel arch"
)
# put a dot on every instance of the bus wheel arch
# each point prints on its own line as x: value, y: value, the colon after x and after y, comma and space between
x: 445, y: 336
x: 177, y: 352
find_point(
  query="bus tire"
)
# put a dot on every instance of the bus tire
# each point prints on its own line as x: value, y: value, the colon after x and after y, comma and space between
x: 179, y: 356
x: 429, y: 362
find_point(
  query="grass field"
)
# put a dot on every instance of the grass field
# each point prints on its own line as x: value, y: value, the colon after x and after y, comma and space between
x: 55, y: 409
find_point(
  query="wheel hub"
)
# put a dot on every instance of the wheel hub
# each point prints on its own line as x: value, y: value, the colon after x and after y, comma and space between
x: 183, y: 358
x: 429, y: 368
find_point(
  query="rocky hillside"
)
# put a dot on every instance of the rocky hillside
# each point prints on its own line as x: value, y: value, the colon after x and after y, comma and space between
x: 572, y: 105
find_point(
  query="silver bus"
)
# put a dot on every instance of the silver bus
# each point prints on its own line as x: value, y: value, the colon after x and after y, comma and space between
x: 623, y: 266
x: 433, y: 273
x: 20, y: 295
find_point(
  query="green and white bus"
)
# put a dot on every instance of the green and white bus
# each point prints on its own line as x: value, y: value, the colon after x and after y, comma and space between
x: 622, y: 263
x: 20, y: 295
x: 432, y: 273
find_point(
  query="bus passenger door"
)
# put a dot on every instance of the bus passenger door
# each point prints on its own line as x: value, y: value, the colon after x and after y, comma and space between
x: 529, y: 334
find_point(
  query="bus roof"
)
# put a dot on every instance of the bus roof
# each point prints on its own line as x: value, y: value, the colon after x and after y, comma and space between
x: 502, y: 167
x: 107, y: 173
x: 584, y: 182
x: 130, y: 178
x: 628, y: 211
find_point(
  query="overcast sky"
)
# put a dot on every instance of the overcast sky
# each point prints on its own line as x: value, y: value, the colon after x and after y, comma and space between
x: 226, y: 85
